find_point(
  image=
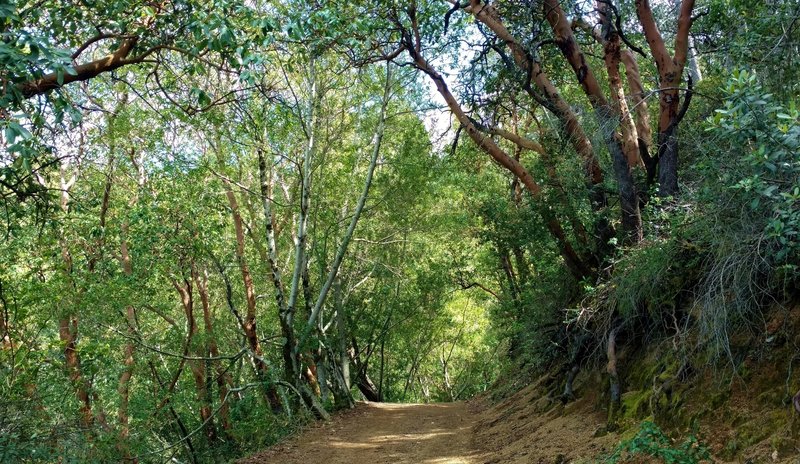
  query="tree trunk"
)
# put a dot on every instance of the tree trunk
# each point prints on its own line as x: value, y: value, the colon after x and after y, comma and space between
x: 367, y: 387
x: 223, y: 378
x: 615, y: 393
x: 197, y: 366
x: 310, y: 374
x: 321, y: 360
x: 123, y: 387
x: 340, y: 360
x: 284, y: 317
x: 364, y: 383
x: 670, y: 71
x: 290, y: 344
x: 67, y: 332
x: 382, y: 367
x: 638, y: 103
x: 612, y: 56
x: 307, y: 363
x: 511, y: 277
x: 68, y: 323
x: 5, y: 325
x: 569, y: 393
x: 249, y: 321
x: 608, y: 119
x: 125, y: 378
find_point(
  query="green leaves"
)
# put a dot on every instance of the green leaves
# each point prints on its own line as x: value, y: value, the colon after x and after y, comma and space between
x: 200, y: 96
x: 14, y: 130
x: 651, y: 441
x: 769, y: 134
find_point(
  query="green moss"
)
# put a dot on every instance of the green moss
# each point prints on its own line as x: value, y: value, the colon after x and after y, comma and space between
x: 628, y: 434
x: 716, y: 400
x: 659, y: 366
x: 636, y: 404
x: 753, y: 432
x: 772, y: 398
x: 542, y: 405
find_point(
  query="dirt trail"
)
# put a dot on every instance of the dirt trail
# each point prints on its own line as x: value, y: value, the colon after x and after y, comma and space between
x: 384, y: 433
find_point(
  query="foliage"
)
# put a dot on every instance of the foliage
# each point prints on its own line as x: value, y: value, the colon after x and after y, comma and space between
x: 748, y: 220
x: 762, y: 37
x: 768, y: 176
x: 651, y: 441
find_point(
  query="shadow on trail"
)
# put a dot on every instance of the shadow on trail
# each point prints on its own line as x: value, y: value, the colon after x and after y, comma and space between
x: 384, y: 433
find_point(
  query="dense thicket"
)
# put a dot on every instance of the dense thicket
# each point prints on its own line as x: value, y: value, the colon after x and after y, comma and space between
x: 222, y: 219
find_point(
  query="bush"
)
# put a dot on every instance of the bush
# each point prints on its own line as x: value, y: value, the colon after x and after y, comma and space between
x: 750, y: 219
x: 651, y: 441
x: 767, y: 177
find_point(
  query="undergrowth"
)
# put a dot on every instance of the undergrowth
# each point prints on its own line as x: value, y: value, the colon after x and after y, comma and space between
x: 651, y: 441
x: 714, y: 259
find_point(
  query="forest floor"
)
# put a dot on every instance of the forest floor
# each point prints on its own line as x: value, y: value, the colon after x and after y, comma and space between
x: 384, y: 433
x: 513, y: 431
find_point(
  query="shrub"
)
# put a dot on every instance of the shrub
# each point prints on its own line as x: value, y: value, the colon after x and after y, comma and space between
x: 767, y: 177
x: 751, y: 219
x: 651, y: 441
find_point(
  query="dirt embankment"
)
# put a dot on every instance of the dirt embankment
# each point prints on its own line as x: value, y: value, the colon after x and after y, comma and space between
x: 529, y: 428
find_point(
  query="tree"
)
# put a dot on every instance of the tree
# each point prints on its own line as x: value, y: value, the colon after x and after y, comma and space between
x: 670, y: 73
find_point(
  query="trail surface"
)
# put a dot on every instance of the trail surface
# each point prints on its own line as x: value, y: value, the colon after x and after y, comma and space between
x: 384, y: 433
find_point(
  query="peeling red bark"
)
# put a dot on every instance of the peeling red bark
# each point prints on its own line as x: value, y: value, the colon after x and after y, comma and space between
x: 608, y: 118
x: 670, y: 71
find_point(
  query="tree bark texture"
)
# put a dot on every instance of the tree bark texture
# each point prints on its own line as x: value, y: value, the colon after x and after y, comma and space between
x: 670, y: 71
x: 608, y: 118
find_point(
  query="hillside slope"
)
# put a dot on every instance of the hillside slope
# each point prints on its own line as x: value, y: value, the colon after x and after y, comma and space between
x: 741, y: 414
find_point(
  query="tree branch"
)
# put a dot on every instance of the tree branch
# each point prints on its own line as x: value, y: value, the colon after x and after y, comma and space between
x: 83, y: 72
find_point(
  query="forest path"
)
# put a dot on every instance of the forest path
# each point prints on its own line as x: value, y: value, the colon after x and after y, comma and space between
x: 383, y: 433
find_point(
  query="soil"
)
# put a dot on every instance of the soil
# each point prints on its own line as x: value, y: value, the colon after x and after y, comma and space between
x: 384, y: 433
x: 511, y: 432
x: 529, y: 427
